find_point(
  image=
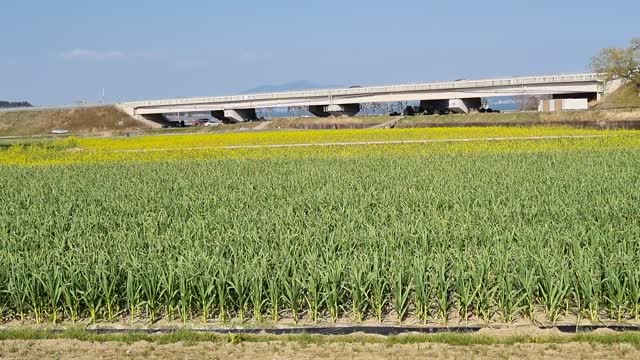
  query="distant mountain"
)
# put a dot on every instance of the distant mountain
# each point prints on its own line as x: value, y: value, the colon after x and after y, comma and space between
x: 292, y: 86
x: 9, y: 104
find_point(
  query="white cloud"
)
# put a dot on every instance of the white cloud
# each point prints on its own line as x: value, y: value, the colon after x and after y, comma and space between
x: 84, y: 54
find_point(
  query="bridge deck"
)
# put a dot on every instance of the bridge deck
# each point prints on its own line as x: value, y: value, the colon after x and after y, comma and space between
x: 551, y: 84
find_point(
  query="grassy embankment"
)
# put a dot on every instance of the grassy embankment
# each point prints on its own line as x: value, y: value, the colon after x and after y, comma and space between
x: 105, y: 120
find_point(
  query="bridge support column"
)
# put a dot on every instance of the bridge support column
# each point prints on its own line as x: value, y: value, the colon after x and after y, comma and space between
x: 456, y: 106
x: 334, y: 110
x: 239, y: 115
x: 464, y: 106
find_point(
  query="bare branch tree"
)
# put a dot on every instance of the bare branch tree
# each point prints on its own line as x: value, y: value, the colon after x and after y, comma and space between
x: 620, y: 63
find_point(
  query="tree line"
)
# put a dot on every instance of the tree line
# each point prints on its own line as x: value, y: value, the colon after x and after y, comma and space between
x: 17, y: 104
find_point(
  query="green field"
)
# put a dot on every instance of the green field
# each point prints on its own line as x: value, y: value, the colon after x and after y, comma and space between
x: 373, y: 235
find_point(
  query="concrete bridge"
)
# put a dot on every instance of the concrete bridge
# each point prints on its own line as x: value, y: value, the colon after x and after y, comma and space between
x: 455, y: 96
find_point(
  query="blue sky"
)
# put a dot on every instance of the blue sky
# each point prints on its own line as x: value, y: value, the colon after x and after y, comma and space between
x: 57, y: 52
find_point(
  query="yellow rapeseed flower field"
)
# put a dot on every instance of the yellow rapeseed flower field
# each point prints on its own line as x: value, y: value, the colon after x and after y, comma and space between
x: 323, y: 136
x: 320, y: 144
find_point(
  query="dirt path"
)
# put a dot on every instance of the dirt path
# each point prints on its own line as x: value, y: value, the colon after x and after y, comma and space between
x: 363, y: 143
x: 66, y: 349
x: 263, y: 125
x: 389, y: 124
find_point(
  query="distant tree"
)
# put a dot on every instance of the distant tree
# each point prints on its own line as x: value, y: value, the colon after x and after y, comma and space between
x: 368, y: 108
x: 295, y: 111
x: 364, y: 109
x: 298, y: 110
x: 529, y: 102
x: 9, y: 104
x: 620, y: 63
x: 376, y: 108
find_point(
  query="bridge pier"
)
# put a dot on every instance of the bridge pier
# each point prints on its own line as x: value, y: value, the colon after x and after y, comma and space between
x: 334, y: 110
x: 457, y: 106
x: 464, y: 106
x: 236, y: 116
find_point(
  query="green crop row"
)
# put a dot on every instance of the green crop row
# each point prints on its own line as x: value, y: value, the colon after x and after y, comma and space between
x: 488, y: 238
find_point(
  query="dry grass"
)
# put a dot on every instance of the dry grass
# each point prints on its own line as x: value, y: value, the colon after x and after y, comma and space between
x: 626, y: 96
x: 82, y: 345
x: 525, y: 117
x: 327, y: 123
x: 89, y: 121
x: 598, y: 114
